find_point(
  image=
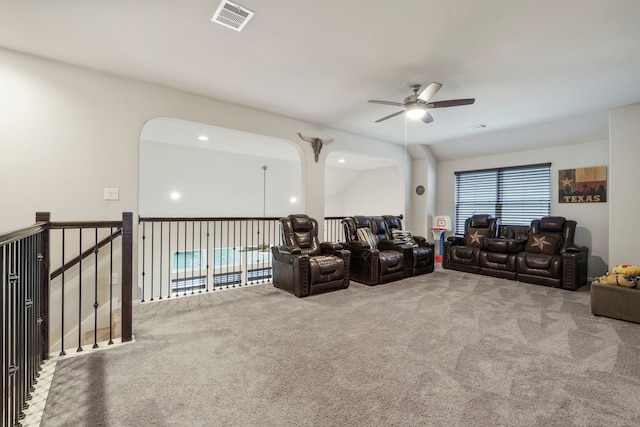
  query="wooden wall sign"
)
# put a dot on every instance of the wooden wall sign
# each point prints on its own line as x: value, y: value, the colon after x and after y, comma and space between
x: 583, y: 185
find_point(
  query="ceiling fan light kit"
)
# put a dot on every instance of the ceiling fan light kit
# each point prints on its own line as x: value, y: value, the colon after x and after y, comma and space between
x: 416, y: 106
x: 416, y: 112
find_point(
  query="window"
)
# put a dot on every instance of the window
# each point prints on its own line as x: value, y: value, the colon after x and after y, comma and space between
x: 516, y: 195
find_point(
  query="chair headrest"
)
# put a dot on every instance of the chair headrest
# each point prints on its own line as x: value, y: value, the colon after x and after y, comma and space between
x: 300, y: 222
x: 552, y: 224
x: 480, y: 221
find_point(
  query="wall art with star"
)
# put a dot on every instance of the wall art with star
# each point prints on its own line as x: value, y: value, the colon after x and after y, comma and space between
x: 583, y: 185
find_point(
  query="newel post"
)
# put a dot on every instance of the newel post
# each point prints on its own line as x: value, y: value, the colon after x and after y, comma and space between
x: 127, y: 273
x: 43, y: 258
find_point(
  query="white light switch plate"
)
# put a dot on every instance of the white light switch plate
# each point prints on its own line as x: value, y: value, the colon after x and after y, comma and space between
x: 111, y: 194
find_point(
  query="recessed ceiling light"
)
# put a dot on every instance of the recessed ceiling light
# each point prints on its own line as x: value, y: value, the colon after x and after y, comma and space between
x: 175, y: 195
x: 341, y: 160
x: 293, y: 200
x: 477, y: 127
x: 203, y: 138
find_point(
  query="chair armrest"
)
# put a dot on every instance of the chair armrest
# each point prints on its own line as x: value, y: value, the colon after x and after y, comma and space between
x: 455, y: 240
x: 330, y: 246
x: 357, y: 245
x: 575, y: 249
x: 285, y: 253
x: 335, y: 249
x: 504, y: 246
x: 389, y: 244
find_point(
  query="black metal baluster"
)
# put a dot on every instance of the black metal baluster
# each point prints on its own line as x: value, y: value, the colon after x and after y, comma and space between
x: 227, y: 252
x: 110, y: 286
x: 161, y: 247
x: 95, y: 294
x: 31, y: 320
x: 242, y: 261
x: 170, y: 266
x: 153, y: 243
x: 200, y: 260
x: 213, y: 277
x: 41, y: 297
x: 193, y: 239
x: 79, y: 291
x: 13, y: 329
x: 246, y: 252
x: 233, y: 254
x: 206, y: 279
x: 177, y: 258
x: 4, y: 327
x: 144, y: 240
x: 184, y: 292
x: 62, y: 352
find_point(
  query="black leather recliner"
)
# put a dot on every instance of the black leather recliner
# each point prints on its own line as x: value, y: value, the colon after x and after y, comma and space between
x: 383, y: 259
x: 303, y: 266
x: 550, y: 257
x: 463, y: 253
x: 423, y: 251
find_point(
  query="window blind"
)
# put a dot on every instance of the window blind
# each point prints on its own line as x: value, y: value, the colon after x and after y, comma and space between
x: 516, y: 195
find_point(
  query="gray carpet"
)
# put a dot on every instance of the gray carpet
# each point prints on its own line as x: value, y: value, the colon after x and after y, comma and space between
x: 443, y: 349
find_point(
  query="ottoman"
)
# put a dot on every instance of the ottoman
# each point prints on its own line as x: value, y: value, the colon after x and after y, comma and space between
x: 616, y: 302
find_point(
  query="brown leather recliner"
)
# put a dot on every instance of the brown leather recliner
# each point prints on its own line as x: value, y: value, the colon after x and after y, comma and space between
x: 380, y: 260
x: 303, y: 266
x: 423, y: 251
x: 550, y: 257
x: 463, y: 253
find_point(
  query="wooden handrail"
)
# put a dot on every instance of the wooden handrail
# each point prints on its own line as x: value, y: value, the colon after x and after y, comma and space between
x: 20, y: 234
x: 87, y: 252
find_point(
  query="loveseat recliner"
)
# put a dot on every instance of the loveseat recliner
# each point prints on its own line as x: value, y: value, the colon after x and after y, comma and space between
x: 303, y: 266
x: 375, y: 257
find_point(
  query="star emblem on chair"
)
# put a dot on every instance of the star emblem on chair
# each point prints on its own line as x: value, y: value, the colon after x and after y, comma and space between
x: 475, y: 237
x: 540, y: 242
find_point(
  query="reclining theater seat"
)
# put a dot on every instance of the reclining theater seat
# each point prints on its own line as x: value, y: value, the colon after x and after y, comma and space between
x: 463, y: 253
x: 375, y: 257
x: 550, y: 257
x: 423, y: 251
x: 305, y: 267
x: 498, y: 254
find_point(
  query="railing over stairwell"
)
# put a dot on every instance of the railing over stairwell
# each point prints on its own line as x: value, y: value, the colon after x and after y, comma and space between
x: 23, y: 276
x: 92, y: 290
x: 333, y: 231
x: 34, y: 311
x: 185, y: 256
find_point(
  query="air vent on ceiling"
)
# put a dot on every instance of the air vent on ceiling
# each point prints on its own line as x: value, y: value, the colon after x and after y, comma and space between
x: 232, y: 15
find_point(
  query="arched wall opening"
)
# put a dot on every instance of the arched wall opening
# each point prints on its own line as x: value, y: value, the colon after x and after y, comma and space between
x: 183, y: 175
x: 360, y: 184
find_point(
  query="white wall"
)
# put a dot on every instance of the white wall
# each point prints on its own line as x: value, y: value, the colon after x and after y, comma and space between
x: 623, y: 188
x: 592, y: 218
x: 214, y: 183
x: 66, y: 133
x: 364, y: 192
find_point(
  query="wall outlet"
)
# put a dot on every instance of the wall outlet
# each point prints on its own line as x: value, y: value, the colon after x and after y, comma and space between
x: 114, y: 278
x: 112, y: 194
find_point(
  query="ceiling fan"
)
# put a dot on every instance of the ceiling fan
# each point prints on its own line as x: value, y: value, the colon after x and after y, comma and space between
x: 416, y: 106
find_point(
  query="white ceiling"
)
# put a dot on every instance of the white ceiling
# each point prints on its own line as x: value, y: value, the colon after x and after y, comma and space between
x: 543, y: 72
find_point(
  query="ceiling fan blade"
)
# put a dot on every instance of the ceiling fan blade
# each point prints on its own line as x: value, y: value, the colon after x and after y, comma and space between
x: 427, y: 118
x: 389, y: 116
x: 450, y: 103
x: 375, y: 101
x: 429, y: 91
